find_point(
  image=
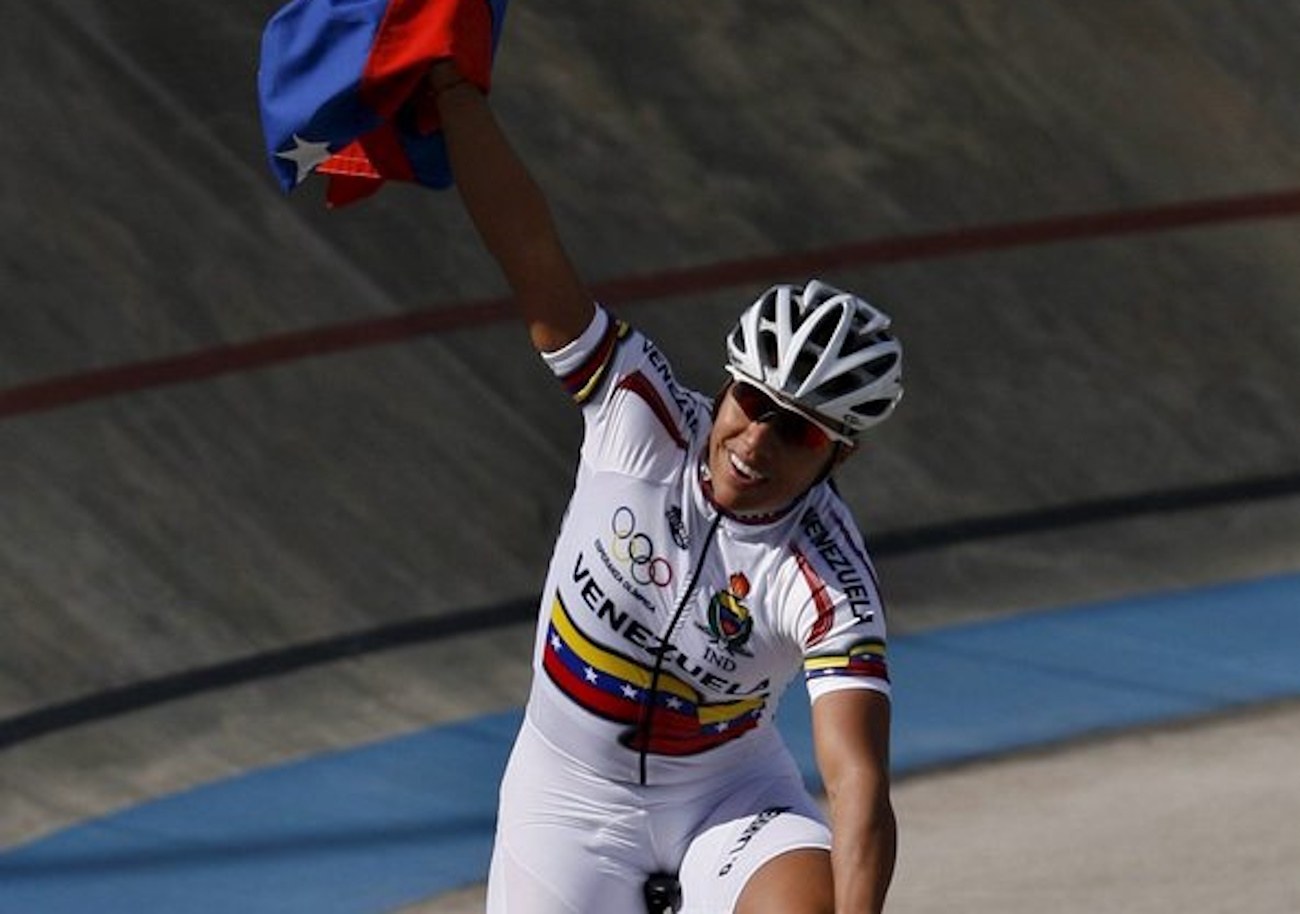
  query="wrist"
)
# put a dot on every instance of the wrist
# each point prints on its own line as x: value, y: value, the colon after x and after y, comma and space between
x: 444, y: 76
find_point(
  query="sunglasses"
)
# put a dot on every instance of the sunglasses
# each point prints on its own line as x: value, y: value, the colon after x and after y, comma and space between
x: 791, y: 426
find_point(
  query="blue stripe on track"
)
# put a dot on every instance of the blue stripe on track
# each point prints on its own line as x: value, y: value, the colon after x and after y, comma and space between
x: 373, y: 828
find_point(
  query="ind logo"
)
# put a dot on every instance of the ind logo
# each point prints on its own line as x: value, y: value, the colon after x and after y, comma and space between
x: 729, y: 622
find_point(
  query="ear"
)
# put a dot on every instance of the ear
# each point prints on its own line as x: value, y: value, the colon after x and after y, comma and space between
x: 842, y: 453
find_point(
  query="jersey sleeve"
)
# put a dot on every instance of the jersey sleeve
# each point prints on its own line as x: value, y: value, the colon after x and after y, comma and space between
x: 839, y: 616
x: 583, y: 364
x: 637, y: 415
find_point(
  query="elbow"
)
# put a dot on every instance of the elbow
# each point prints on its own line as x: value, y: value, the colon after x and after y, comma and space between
x: 860, y: 803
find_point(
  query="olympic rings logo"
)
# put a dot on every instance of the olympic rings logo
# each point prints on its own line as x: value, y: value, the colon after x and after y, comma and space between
x: 636, y: 551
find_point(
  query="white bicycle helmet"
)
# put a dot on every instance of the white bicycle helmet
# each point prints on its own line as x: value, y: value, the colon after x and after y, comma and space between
x: 822, y: 349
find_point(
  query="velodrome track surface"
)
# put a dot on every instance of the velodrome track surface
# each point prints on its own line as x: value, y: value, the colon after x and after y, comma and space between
x: 389, y: 824
x: 253, y: 452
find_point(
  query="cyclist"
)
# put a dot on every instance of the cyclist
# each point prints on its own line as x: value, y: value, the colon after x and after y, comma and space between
x: 703, y: 563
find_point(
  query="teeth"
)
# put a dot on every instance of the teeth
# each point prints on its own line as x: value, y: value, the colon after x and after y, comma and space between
x: 743, y: 468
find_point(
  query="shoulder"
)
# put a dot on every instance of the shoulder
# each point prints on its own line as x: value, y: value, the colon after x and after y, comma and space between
x: 639, y: 418
x: 825, y: 529
x: 832, y: 566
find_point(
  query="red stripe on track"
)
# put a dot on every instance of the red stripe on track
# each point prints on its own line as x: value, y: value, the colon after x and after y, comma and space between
x: 72, y: 389
x: 271, y: 350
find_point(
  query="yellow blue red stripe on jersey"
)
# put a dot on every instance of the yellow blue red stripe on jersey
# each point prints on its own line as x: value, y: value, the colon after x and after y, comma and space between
x: 867, y: 658
x: 617, y: 688
x: 585, y: 380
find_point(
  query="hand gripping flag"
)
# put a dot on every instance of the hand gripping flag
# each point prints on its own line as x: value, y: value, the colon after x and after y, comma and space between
x: 338, y: 87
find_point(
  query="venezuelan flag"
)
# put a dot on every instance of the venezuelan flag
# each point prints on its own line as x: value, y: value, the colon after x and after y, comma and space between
x: 337, y: 86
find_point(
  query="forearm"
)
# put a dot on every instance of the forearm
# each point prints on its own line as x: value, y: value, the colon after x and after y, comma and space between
x: 510, y: 214
x: 863, y: 842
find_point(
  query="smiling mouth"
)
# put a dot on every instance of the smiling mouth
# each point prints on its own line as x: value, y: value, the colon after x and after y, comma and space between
x: 744, y: 470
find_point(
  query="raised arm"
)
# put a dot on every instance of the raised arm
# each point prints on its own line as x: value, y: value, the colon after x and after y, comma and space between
x: 851, y: 736
x: 510, y: 213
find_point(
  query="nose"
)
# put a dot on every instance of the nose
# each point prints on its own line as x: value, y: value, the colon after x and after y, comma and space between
x: 760, y: 434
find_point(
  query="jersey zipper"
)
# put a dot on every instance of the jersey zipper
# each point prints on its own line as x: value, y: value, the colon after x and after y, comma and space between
x: 646, y: 725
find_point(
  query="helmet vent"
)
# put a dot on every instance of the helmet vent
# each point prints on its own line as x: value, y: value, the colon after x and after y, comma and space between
x: 840, y: 386
x: 803, y: 366
x: 880, y: 367
x: 873, y: 409
x: 859, y: 341
x: 770, y: 347
x: 823, y: 333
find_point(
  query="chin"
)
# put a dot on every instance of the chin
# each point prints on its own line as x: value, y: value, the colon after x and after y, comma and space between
x: 730, y: 500
x: 741, y: 503
x: 725, y: 499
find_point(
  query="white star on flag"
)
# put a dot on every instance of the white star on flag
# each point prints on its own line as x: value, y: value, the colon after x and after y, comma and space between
x: 305, y: 155
x: 556, y: 644
x: 673, y: 702
x: 629, y: 692
x: 590, y: 674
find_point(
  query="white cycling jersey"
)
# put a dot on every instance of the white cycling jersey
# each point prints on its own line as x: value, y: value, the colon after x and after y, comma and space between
x: 668, y: 629
x: 667, y: 632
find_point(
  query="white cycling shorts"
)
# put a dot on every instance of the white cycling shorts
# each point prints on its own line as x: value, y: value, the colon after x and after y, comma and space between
x: 570, y: 842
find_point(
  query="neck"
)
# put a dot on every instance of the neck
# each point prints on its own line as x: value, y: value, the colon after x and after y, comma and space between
x: 754, y: 518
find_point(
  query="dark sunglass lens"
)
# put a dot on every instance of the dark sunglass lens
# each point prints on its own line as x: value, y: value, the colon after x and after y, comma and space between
x: 796, y: 430
x: 791, y: 427
x: 753, y: 402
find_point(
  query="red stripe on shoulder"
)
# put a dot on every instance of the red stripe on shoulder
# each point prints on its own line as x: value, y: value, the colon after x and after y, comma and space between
x: 825, y: 608
x: 637, y: 383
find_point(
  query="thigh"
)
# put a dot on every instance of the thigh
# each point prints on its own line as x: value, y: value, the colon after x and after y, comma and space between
x: 565, y: 843
x: 777, y: 820
x: 521, y: 881
x: 794, y: 882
